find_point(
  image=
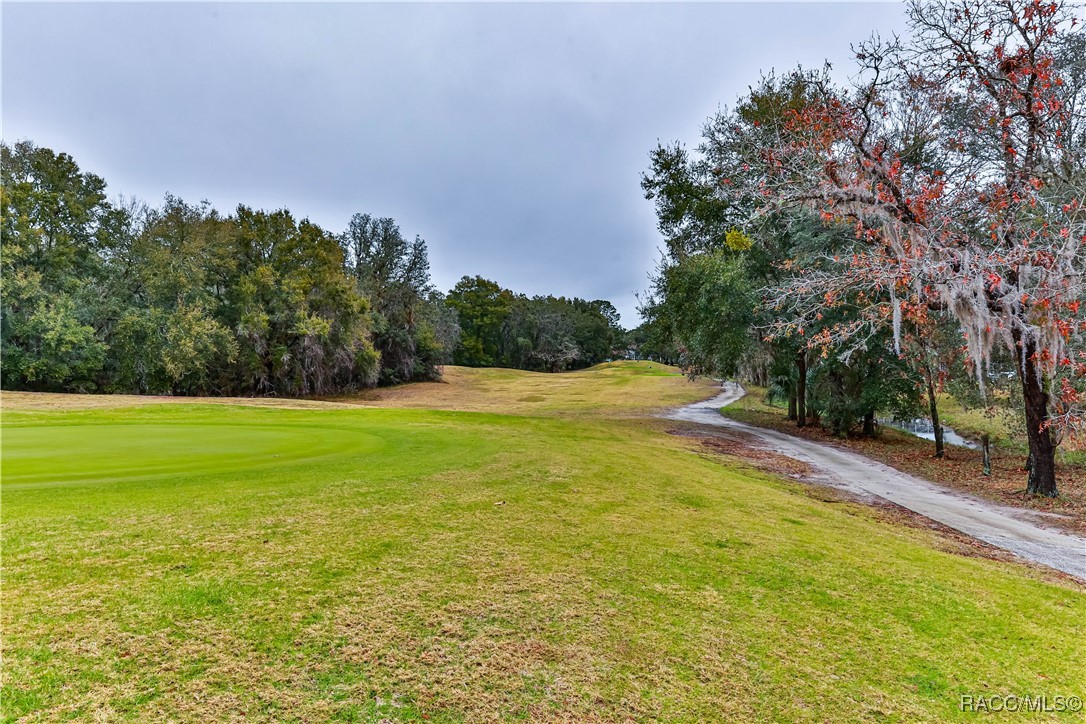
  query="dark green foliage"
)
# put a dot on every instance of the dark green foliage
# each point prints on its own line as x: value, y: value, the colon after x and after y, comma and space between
x: 439, y: 327
x: 176, y: 300
x: 651, y: 339
x: 302, y: 325
x: 539, y: 334
x: 102, y: 297
x: 481, y: 307
x: 690, y: 215
x: 166, y: 333
x: 54, y: 220
x: 546, y: 334
x: 872, y: 383
x: 394, y: 275
x: 707, y: 302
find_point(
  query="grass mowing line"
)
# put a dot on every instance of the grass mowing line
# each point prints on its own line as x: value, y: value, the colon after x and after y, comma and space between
x: 479, y: 566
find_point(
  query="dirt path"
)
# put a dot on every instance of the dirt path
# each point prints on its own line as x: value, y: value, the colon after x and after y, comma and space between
x: 1012, y: 529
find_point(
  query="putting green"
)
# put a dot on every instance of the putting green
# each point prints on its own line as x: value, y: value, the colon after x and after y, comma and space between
x: 113, y: 452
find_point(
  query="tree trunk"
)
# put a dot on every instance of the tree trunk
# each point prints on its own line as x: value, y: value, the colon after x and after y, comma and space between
x: 933, y: 408
x: 869, y: 424
x: 792, y: 406
x: 1042, y: 452
x: 801, y: 389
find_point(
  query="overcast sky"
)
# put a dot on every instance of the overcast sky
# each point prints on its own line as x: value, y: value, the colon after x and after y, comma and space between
x: 510, y: 136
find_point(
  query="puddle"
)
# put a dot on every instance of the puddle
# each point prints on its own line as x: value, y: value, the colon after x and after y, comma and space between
x: 922, y: 427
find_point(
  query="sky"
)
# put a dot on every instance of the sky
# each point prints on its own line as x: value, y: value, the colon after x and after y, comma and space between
x: 511, y: 137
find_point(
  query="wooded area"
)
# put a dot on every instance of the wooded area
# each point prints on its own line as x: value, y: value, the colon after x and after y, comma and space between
x: 859, y: 247
x: 116, y: 296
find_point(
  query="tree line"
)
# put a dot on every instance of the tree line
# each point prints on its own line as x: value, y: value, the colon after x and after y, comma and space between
x: 117, y: 296
x: 859, y: 248
x: 546, y: 334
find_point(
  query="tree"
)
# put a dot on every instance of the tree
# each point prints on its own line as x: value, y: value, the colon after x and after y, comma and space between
x: 441, y: 326
x: 690, y: 215
x: 958, y: 159
x: 168, y: 321
x: 53, y: 219
x: 697, y: 219
x: 652, y: 339
x: 543, y: 333
x: 178, y: 299
x: 394, y: 275
x: 711, y: 303
x: 302, y: 322
x: 596, y: 329
x: 783, y: 311
x: 481, y: 307
x: 539, y: 334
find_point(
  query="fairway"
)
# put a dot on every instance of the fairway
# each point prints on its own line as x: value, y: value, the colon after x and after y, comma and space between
x: 516, y: 555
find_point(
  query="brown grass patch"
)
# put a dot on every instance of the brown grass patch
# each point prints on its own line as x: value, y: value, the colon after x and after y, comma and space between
x: 617, y: 389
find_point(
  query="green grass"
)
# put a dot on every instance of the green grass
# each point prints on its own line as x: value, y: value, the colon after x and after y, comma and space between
x: 209, y: 561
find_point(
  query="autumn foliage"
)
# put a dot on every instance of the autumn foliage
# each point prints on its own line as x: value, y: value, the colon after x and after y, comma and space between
x: 956, y: 162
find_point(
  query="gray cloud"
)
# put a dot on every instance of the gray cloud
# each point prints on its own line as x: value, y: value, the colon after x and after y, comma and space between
x: 510, y: 136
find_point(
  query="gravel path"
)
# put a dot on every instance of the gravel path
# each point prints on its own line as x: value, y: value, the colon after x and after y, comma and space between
x: 1013, y: 529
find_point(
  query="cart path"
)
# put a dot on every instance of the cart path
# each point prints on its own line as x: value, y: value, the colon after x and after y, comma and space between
x: 1012, y: 529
